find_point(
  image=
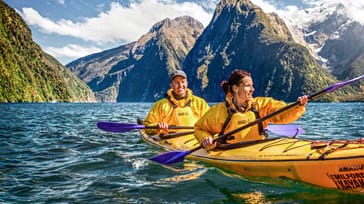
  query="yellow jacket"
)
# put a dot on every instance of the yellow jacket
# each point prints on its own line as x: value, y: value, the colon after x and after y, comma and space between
x: 212, y: 122
x: 185, y: 112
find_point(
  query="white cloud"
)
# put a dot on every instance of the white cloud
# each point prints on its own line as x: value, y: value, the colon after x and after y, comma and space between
x: 291, y: 14
x: 71, y: 50
x: 354, y: 8
x: 119, y: 23
x: 296, y: 16
x: 267, y: 6
x: 61, y: 2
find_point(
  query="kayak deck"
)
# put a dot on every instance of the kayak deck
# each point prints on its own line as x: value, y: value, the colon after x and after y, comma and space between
x: 335, y: 164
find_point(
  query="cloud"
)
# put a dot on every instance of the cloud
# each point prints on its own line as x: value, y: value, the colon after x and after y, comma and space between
x: 267, y: 6
x: 119, y: 23
x: 297, y: 16
x: 353, y: 8
x: 71, y: 50
x: 291, y: 14
x: 61, y: 2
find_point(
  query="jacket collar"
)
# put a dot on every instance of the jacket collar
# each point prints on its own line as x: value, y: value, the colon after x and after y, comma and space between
x: 182, y: 102
x: 229, y: 100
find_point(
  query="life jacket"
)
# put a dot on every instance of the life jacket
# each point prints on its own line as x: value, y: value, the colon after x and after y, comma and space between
x: 237, y: 119
x: 182, y: 116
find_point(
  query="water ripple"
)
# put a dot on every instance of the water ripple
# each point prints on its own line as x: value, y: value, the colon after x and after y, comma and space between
x: 55, y: 153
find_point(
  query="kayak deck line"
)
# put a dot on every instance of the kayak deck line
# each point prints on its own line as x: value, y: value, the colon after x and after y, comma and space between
x: 265, y: 161
x: 337, y: 164
x: 276, y: 141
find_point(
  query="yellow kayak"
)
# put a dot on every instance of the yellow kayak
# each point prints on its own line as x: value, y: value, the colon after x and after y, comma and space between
x: 332, y: 164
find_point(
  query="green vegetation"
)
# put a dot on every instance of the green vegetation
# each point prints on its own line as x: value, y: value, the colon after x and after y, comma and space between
x: 27, y: 74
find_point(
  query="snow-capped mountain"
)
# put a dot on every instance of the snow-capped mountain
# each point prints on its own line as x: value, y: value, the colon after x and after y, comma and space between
x: 334, y: 36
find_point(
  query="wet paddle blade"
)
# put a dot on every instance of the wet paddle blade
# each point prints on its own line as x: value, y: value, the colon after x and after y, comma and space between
x: 170, y: 157
x: 289, y: 130
x: 118, y: 127
x: 341, y: 84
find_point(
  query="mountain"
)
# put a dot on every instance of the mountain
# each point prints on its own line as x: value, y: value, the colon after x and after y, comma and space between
x: 242, y: 36
x: 99, y: 71
x: 139, y: 71
x: 27, y: 74
x: 333, y: 36
x: 336, y: 40
x: 239, y: 36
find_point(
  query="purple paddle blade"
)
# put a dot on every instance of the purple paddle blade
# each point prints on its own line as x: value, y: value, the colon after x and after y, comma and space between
x: 290, y: 130
x: 170, y: 157
x: 118, y: 127
x: 341, y: 84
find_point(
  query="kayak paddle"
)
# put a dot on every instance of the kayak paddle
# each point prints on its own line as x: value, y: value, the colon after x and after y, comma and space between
x: 289, y: 130
x: 286, y: 130
x: 125, y: 127
x: 178, y: 156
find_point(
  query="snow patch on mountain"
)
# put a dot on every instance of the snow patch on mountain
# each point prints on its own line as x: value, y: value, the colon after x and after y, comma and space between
x: 330, y: 29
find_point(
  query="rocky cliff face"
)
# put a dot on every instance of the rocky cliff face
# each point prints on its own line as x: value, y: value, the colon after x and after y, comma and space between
x: 140, y: 71
x: 27, y: 74
x: 242, y: 36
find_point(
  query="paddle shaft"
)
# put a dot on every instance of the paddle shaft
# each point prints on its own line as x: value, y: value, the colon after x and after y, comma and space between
x: 296, y: 130
x: 176, y: 134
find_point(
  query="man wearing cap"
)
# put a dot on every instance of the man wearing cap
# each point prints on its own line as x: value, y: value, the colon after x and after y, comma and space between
x: 179, y: 106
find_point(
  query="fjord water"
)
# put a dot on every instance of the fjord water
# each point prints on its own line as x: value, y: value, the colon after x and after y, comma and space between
x: 54, y: 153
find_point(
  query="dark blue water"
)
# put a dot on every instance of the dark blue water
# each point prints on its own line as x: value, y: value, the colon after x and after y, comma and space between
x: 54, y: 153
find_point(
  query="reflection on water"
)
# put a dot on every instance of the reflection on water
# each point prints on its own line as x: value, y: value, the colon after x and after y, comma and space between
x: 253, y: 197
x: 190, y: 170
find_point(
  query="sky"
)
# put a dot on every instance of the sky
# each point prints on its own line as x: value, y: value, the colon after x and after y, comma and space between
x: 71, y: 29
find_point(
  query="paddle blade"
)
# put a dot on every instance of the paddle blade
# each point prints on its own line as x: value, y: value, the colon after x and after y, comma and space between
x: 289, y: 130
x: 344, y: 83
x: 118, y: 127
x: 170, y: 157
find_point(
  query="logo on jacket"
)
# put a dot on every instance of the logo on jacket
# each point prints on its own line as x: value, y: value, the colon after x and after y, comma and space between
x: 242, y: 122
x: 183, y: 113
